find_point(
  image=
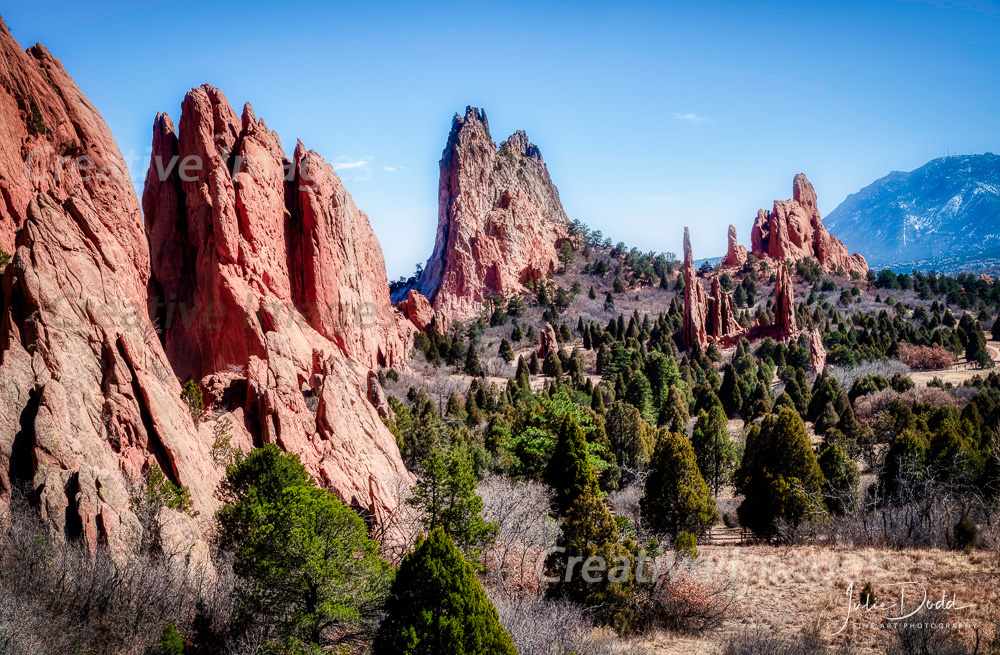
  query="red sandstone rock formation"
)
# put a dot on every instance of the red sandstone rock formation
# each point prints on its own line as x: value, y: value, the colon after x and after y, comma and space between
x: 793, y: 230
x: 817, y: 353
x: 721, y: 313
x: 695, y: 303
x: 500, y: 221
x: 418, y: 309
x: 264, y: 265
x: 88, y: 400
x: 736, y: 255
x: 784, y: 305
x: 547, y: 341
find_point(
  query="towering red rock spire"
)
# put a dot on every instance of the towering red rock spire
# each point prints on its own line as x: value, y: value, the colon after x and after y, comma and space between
x: 736, y: 255
x: 793, y: 230
x: 500, y: 221
x: 721, y: 314
x: 784, y: 305
x: 88, y: 399
x: 264, y: 264
x: 695, y: 304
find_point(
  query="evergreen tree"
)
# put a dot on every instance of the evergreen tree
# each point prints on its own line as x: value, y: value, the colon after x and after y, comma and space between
x: 523, y: 381
x: 552, y: 366
x: 472, y: 366
x: 505, y: 352
x: 731, y: 393
x: 779, y: 476
x: 840, y: 473
x: 515, y: 334
x: 675, y: 497
x: 437, y: 606
x: 639, y: 394
x: 592, y: 294
x: 713, y: 448
x: 619, y: 284
x: 445, y: 495
x: 569, y: 472
x: 674, y: 413
x: 589, y: 530
x: 627, y: 433
x: 533, y: 363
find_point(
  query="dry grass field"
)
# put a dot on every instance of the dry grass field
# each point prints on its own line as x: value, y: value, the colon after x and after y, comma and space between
x: 789, y: 590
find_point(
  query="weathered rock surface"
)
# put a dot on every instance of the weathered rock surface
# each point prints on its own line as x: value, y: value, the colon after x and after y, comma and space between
x: 722, y: 322
x: 547, y: 341
x: 88, y: 401
x: 817, y: 353
x: 793, y: 230
x: 264, y: 265
x: 736, y: 255
x: 500, y: 221
x: 693, y: 330
x: 784, y: 305
x: 418, y: 309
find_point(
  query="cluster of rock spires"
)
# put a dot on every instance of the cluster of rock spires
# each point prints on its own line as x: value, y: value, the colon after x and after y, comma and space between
x: 706, y: 318
x: 712, y: 318
x: 793, y: 230
x: 284, y: 286
x: 254, y: 275
x: 500, y: 222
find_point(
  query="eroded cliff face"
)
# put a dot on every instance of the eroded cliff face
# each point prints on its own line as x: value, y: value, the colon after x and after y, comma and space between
x: 793, y: 230
x: 88, y: 400
x: 706, y: 317
x: 264, y: 270
x: 500, y: 221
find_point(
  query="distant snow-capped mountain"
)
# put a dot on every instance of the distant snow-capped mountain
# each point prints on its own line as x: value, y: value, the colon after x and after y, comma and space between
x: 944, y: 215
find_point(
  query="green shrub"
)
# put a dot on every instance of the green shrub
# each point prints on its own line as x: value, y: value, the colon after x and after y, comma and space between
x: 867, y: 597
x: 191, y: 395
x: 171, y: 642
x: 686, y: 545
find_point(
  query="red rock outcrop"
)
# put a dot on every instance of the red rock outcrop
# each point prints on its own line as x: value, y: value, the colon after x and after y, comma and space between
x: 418, y: 309
x: 88, y: 401
x: 693, y: 329
x: 793, y: 230
x: 500, y: 221
x: 817, y: 353
x: 784, y: 305
x: 547, y: 341
x: 721, y: 313
x: 736, y: 255
x: 263, y: 264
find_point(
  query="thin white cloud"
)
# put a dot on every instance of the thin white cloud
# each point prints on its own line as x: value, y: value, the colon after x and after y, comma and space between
x: 350, y: 164
x: 690, y: 118
x: 391, y: 169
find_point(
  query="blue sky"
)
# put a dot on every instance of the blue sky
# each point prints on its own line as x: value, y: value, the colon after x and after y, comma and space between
x: 651, y: 116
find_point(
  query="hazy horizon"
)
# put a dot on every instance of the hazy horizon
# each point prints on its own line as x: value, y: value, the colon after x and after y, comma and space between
x: 644, y: 129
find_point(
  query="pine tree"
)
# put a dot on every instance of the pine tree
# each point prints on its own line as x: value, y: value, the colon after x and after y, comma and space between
x: 589, y: 530
x: 713, y: 448
x: 639, y: 394
x: 445, y: 495
x: 628, y: 435
x: 731, y: 393
x: 505, y: 352
x: 533, y: 363
x: 779, y: 476
x: 515, y: 334
x: 619, y: 284
x: 569, y: 472
x: 437, y: 606
x: 592, y: 294
x: 472, y: 365
x: 552, y: 366
x: 840, y: 473
x: 675, y: 497
x: 674, y: 413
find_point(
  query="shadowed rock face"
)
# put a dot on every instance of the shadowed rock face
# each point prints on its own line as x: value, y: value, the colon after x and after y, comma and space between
x: 88, y: 400
x: 500, y: 221
x: 784, y: 305
x: 793, y: 230
x: 263, y: 265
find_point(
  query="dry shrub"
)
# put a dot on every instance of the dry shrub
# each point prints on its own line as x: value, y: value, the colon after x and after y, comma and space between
x: 756, y: 642
x: 870, y: 405
x: 925, y: 357
x: 525, y: 531
x: 557, y: 627
x: 58, y: 596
